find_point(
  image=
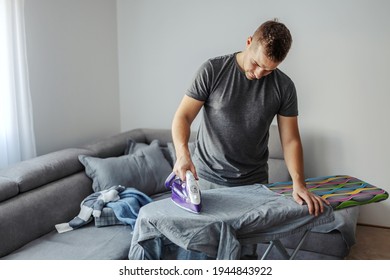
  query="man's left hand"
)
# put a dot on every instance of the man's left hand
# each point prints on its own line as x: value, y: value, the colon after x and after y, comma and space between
x: 315, y: 203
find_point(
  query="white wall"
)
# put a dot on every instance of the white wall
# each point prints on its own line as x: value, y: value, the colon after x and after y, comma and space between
x: 73, y: 67
x: 339, y: 62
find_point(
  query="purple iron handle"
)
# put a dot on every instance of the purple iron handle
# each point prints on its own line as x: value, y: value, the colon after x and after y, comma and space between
x: 185, y: 194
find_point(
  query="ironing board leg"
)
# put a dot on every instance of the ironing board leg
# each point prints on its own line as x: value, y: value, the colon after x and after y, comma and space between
x: 299, y: 244
x: 283, y: 250
x: 269, y: 248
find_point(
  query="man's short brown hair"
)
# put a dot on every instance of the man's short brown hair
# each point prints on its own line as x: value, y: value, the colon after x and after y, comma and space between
x: 275, y: 38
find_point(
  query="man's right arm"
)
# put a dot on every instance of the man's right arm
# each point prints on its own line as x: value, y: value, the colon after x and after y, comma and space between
x: 181, y: 129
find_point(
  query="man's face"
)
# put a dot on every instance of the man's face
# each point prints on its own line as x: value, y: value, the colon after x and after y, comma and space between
x: 256, y: 63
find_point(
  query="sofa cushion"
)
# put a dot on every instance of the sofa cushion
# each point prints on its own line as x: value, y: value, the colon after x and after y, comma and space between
x: 87, y: 243
x: 8, y: 189
x: 274, y: 144
x: 277, y: 171
x: 145, y: 170
x: 114, y: 146
x: 164, y: 136
x: 133, y: 146
x: 44, y: 169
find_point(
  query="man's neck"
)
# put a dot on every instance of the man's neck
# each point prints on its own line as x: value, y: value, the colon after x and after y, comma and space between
x: 240, y: 59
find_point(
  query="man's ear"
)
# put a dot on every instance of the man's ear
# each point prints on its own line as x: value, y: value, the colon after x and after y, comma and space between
x: 248, y: 41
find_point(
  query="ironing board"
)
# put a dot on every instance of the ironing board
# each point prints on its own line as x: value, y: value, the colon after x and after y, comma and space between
x: 341, y: 191
x: 230, y: 217
x: 161, y: 222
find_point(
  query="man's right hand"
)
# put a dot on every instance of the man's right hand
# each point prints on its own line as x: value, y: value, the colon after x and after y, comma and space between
x: 184, y: 163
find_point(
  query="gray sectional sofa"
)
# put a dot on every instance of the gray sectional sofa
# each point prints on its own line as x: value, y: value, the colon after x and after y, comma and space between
x: 37, y: 194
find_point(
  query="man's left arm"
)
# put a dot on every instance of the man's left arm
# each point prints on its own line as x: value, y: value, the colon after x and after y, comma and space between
x: 293, y: 155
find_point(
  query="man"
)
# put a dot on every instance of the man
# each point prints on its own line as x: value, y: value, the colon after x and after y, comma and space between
x: 241, y: 93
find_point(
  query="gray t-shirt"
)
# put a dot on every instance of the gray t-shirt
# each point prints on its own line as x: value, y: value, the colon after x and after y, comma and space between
x: 232, y: 140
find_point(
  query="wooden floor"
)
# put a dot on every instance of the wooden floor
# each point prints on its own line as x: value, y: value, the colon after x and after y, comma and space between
x: 372, y: 243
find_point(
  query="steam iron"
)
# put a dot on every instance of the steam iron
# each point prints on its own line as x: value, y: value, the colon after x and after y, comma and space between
x: 186, y: 194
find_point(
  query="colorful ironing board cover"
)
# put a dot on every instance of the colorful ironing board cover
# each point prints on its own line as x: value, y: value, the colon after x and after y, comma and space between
x: 341, y: 191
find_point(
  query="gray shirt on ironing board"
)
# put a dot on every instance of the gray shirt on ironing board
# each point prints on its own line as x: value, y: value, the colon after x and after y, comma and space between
x: 229, y: 218
x: 232, y: 140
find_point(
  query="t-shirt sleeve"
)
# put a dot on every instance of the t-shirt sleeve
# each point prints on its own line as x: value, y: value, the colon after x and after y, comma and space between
x: 289, y: 105
x: 201, y: 84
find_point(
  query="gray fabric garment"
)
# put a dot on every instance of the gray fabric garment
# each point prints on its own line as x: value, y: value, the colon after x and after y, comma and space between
x: 107, y: 218
x: 206, y: 185
x: 345, y: 219
x: 248, y: 251
x: 232, y: 141
x: 230, y: 217
x: 345, y: 222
